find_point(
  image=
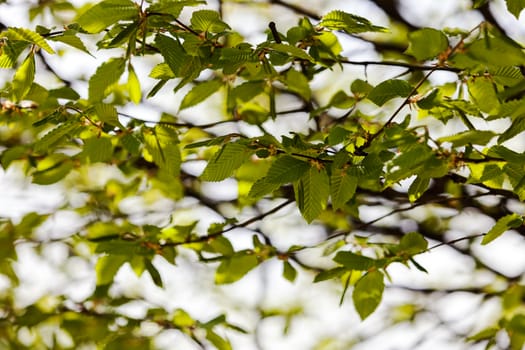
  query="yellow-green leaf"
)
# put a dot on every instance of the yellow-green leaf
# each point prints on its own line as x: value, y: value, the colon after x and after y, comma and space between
x: 24, y: 34
x: 368, y: 293
x: 135, y: 94
x: 107, y: 74
x: 311, y: 193
x: 107, y: 13
x: 503, y: 224
x: 24, y: 76
x: 200, y: 92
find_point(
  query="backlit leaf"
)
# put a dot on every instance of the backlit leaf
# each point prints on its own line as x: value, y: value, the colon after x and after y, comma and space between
x: 426, y: 43
x: 388, y: 90
x: 233, y: 269
x: 23, y: 78
x: 342, y: 187
x: 354, y: 261
x: 352, y: 24
x: 107, y: 13
x: 368, y: 293
x: 200, y: 92
x: 515, y: 7
x: 225, y: 161
x: 24, y: 34
x: 503, y: 224
x: 286, y: 169
x: 107, y: 74
x: 311, y: 193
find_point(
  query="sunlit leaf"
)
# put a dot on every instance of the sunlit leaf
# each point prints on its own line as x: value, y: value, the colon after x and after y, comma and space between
x: 503, y: 224
x: 107, y: 13
x: 368, y: 293
x: 225, y: 161
x: 388, y: 90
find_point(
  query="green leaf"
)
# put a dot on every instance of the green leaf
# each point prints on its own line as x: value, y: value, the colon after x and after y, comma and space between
x: 475, y: 137
x: 349, y: 23
x: 487, y: 333
x: 162, y: 149
x: 503, y: 224
x: 368, y: 293
x: 23, y: 78
x: 208, y: 21
x: 354, y: 261
x: 411, y: 244
x: 298, y: 83
x: 172, y: 52
x: 217, y: 341
x: 172, y: 7
x: 388, y: 90
x: 290, y: 50
x: 515, y: 7
x: 517, y: 127
x: 484, y: 95
x: 262, y: 187
x: 342, y: 187
x: 330, y: 274
x: 107, y: 113
x: 417, y: 188
x: 289, y: 272
x: 107, y: 74
x: 153, y: 272
x: 135, y: 94
x: 52, y: 169
x: 55, y: 136
x: 286, y: 169
x: 107, y: 13
x: 97, y: 149
x: 225, y: 161
x: 426, y: 43
x: 107, y: 267
x: 69, y: 38
x: 200, y: 92
x: 10, y: 52
x: 233, y: 269
x: 24, y: 34
x: 496, y: 51
x: 311, y: 193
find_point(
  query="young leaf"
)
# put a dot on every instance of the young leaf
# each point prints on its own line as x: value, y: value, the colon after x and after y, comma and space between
x: 351, y: 24
x: 24, y: 34
x: 503, y: 224
x: 172, y: 7
x: 289, y: 272
x: 107, y: 113
x: 107, y: 13
x: 24, y: 76
x: 107, y: 74
x: 208, y: 21
x: 515, y: 7
x: 107, y: 267
x: 233, y: 269
x: 135, y: 94
x: 97, y: 149
x: 163, y: 151
x: 476, y: 137
x: 173, y: 53
x: 311, y: 193
x: 388, y: 90
x: 200, y: 92
x: 291, y: 50
x: 55, y: 136
x: 342, y: 187
x: 417, y: 188
x: 298, y: 83
x: 223, y: 163
x: 69, y: 38
x: 484, y: 95
x: 368, y: 293
x: 286, y: 169
x: 426, y: 43
x: 354, y: 261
